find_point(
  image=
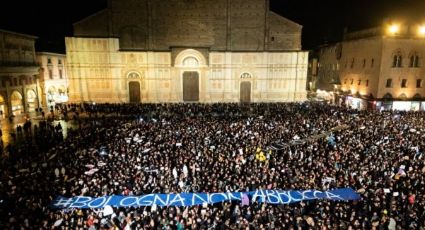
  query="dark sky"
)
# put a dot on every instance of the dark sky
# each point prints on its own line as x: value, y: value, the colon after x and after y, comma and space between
x: 323, y: 20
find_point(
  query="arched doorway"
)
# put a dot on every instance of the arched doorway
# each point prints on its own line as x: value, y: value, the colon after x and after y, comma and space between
x: 190, y: 86
x: 245, y: 92
x: 134, y: 91
x: 16, y: 102
x: 31, y: 101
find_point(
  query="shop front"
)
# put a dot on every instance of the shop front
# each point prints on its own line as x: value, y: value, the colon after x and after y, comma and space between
x: 356, y: 103
x: 401, y: 105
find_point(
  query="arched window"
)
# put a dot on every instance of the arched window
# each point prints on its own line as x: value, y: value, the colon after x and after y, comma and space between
x: 190, y: 62
x: 133, y: 75
x: 414, y: 60
x: 246, y: 76
x: 417, y: 96
x: 402, y: 96
x: 397, y: 60
x: 388, y: 96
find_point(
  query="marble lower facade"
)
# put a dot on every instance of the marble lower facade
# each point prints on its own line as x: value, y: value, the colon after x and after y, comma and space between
x: 100, y: 72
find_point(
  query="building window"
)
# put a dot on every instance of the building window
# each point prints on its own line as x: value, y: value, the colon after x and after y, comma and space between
x: 133, y: 75
x: 364, y: 63
x: 190, y: 62
x: 403, y: 83
x: 272, y: 39
x: 414, y: 61
x: 60, y: 62
x: 345, y: 81
x: 419, y: 83
x: 352, y: 63
x: 397, y: 61
x: 367, y: 82
x: 60, y: 74
x: 352, y: 81
x: 50, y: 74
x: 372, y: 63
x: 246, y: 75
x: 49, y: 61
x: 15, y: 81
x: 359, y: 82
x: 389, y: 83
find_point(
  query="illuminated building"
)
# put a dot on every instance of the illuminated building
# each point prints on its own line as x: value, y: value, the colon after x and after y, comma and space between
x: 19, y: 91
x: 53, y: 78
x: 186, y: 51
x: 380, y: 68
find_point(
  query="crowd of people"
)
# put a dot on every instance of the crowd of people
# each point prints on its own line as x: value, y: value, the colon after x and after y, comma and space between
x: 175, y: 148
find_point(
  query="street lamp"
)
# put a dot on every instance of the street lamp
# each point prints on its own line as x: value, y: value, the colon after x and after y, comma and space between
x: 393, y: 29
x: 421, y: 30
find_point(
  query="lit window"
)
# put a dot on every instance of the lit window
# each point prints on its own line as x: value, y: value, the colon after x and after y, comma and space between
x: 419, y: 83
x: 414, y: 61
x: 404, y: 83
x: 389, y: 83
x: 397, y: 60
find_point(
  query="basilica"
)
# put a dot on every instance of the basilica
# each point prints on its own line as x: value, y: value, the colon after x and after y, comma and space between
x: 151, y: 51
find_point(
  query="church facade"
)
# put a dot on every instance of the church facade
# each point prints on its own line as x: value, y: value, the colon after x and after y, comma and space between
x: 153, y: 51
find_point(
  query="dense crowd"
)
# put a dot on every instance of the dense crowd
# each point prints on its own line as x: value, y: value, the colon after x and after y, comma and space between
x: 174, y: 148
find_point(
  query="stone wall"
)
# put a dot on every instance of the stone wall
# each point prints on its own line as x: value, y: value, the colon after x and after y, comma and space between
x: 361, y: 66
x: 16, y: 49
x: 232, y: 25
x: 100, y: 72
x: 407, y: 48
x: 328, y: 67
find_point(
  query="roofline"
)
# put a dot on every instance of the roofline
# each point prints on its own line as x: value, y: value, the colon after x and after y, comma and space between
x: 50, y: 53
x: 19, y: 34
x: 90, y: 16
x: 287, y: 19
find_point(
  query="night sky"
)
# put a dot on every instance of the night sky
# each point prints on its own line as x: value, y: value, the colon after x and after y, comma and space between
x: 323, y: 20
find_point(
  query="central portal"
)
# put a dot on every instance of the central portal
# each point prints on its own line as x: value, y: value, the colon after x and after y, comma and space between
x: 190, y: 86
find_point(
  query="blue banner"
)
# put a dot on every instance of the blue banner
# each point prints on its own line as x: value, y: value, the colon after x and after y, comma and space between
x: 191, y: 199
